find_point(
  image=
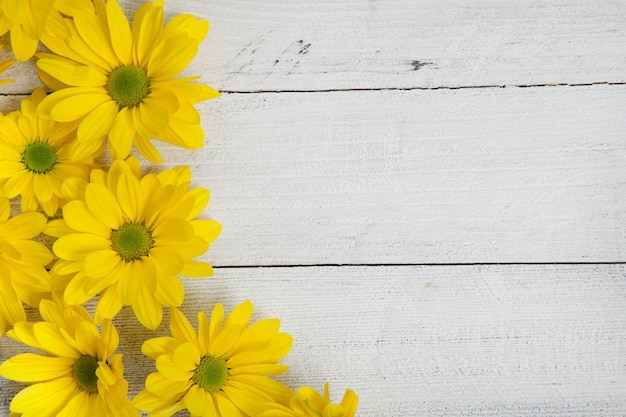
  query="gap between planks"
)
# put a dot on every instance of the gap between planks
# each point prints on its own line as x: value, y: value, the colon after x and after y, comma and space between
x: 441, y: 264
x: 332, y: 90
x: 463, y: 87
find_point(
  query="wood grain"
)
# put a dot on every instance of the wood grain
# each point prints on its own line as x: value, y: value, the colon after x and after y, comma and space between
x: 304, y: 45
x: 464, y: 176
x: 431, y: 341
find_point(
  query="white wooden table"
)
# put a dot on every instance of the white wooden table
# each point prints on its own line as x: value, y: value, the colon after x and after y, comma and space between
x: 430, y: 194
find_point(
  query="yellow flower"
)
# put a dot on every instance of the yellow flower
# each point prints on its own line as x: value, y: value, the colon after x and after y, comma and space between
x: 118, y: 79
x: 23, y: 276
x: 34, y: 157
x: 222, y: 371
x: 79, y: 377
x: 131, y: 236
x: 27, y: 20
x: 309, y: 403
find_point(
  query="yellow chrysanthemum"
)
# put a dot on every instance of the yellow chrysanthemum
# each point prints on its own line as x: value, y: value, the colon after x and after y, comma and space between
x: 118, y: 79
x: 132, y: 236
x: 23, y: 276
x: 34, y: 157
x: 309, y: 403
x: 222, y: 371
x: 27, y: 20
x: 80, y: 377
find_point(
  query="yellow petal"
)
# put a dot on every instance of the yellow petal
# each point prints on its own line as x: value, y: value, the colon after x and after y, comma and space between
x: 168, y: 368
x: 217, y: 317
x: 44, y: 397
x: 10, y: 168
x: 119, y: 30
x: 169, y: 291
x: 158, y: 384
x: 154, y: 117
x: 196, y: 401
x: 101, y: 263
x: 349, y: 402
x: 18, y: 183
x: 186, y: 356
x: 196, y: 269
x: 78, y: 217
x: 240, y: 316
x: 147, y: 309
x: 74, y: 8
x: 42, y: 189
x: 25, y: 225
x: 49, y: 335
x: 223, y: 344
x: 29, y: 367
x: 146, y: 27
x: 22, y: 44
x: 180, y: 327
x: 167, y: 260
x: 130, y: 195
x: 172, y: 232
x: 157, y: 346
x: 130, y: 281
x: 190, y: 25
x: 104, y: 206
x: 72, y: 74
x: 108, y: 305
x: 78, y: 406
x: 76, y: 290
x: 173, y: 56
x: 147, y: 149
x: 76, y: 246
x: 226, y: 407
x: 75, y: 107
x: 121, y: 135
x: 98, y: 122
x: 32, y: 253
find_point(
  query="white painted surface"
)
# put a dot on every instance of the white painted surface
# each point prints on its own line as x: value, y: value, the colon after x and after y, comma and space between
x: 328, y: 44
x: 476, y: 175
x: 434, y: 341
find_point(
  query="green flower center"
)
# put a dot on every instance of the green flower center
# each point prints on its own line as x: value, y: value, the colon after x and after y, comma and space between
x: 39, y: 157
x: 128, y: 86
x: 85, y: 373
x: 132, y: 241
x: 211, y: 373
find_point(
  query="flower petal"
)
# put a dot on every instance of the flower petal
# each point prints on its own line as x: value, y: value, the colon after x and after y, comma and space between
x: 103, y: 205
x: 98, y: 122
x: 29, y: 367
x: 147, y: 309
x: 76, y: 246
x: 44, y: 398
x: 119, y: 30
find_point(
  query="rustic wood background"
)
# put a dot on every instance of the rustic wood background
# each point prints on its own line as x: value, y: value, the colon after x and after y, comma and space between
x: 431, y: 196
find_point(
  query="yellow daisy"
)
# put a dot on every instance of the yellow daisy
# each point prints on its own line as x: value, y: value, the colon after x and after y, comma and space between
x: 309, y: 403
x: 131, y: 236
x: 27, y: 20
x: 24, y: 278
x: 34, y: 157
x: 222, y: 371
x: 81, y: 376
x: 119, y: 79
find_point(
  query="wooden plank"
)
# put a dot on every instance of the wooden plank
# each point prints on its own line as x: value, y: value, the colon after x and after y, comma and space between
x: 304, y: 45
x: 432, y: 341
x: 447, y: 176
